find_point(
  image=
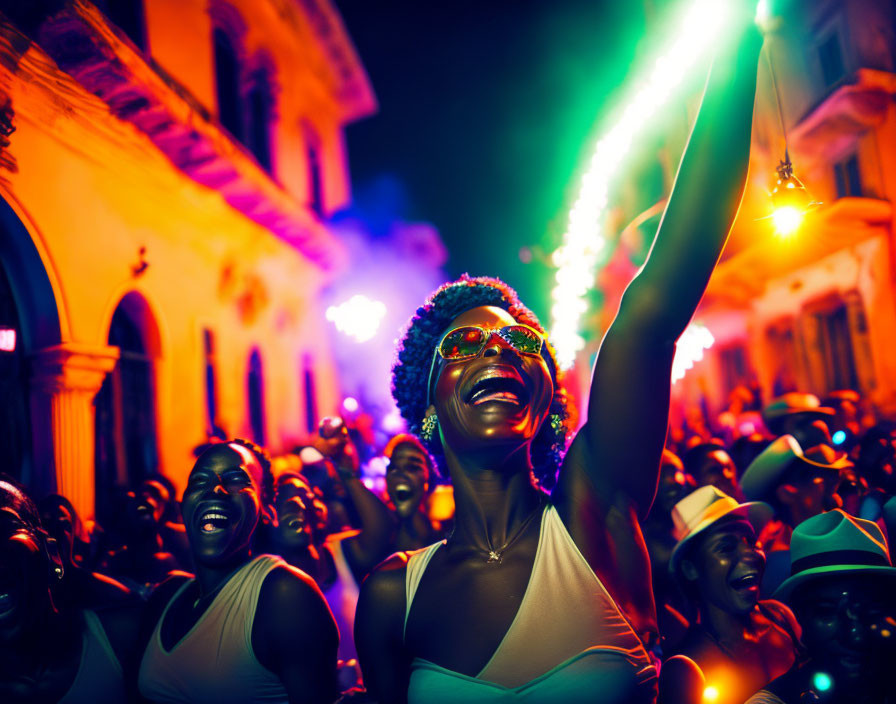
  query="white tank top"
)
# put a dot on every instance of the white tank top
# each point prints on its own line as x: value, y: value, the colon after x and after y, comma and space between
x: 568, y: 640
x: 214, y: 662
x: 99, y: 677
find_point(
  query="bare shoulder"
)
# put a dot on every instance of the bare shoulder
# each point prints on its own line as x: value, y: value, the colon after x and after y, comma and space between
x: 387, y: 580
x: 286, y: 585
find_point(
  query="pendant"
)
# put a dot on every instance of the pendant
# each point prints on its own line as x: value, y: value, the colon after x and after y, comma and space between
x: 494, y: 556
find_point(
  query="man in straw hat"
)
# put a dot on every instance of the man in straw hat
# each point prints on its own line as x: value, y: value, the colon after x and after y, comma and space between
x: 797, y: 484
x: 740, y: 642
x: 841, y: 587
x: 801, y: 415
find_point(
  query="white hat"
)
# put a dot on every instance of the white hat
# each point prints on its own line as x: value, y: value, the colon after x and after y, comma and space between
x: 705, y: 506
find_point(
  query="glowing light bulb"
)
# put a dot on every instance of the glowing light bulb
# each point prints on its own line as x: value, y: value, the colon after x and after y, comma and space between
x: 786, y: 220
x: 710, y: 694
x: 350, y: 404
x: 822, y: 681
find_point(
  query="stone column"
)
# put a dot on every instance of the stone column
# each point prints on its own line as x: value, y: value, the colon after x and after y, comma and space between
x: 64, y: 380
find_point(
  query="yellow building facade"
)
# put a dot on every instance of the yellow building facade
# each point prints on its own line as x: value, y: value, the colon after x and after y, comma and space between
x: 165, y: 176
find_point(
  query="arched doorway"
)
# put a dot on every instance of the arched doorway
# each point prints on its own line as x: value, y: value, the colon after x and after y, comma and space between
x: 29, y: 323
x: 126, y: 449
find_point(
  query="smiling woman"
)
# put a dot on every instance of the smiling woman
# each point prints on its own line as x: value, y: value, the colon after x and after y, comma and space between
x: 531, y: 594
x: 267, y: 623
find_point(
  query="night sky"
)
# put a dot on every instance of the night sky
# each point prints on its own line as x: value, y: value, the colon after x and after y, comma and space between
x: 486, y: 110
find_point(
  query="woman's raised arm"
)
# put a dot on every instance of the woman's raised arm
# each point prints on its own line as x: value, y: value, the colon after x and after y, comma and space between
x: 619, y: 447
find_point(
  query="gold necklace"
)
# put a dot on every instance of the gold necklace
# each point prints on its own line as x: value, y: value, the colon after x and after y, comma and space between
x: 496, y: 556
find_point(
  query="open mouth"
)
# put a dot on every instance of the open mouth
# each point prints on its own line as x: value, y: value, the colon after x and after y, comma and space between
x: 296, y: 523
x: 403, y: 492
x: 746, y: 582
x: 213, y: 521
x: 498, y: 386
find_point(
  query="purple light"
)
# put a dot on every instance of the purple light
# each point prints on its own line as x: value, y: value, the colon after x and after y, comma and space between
x: 350, y: 404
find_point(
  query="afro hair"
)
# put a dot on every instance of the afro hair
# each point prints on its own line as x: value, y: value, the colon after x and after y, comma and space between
x: 410, y: 372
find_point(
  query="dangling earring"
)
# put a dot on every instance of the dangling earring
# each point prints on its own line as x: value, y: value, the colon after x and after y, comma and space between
x: 428, y: 429
x: 556, y: 421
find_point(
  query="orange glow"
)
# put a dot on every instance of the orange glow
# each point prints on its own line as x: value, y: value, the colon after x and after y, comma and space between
x: 710, y: 694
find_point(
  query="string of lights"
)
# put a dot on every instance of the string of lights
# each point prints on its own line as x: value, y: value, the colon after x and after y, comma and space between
x: 576, y: 258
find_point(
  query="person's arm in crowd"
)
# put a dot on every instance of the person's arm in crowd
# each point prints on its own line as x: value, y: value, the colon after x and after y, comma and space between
x: 371, y: 545
x: 295, y: 637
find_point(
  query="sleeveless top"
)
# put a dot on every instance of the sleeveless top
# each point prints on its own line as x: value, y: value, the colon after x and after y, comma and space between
x: 568, y: 641
x: 342, y: 596
x: 214, y: 662
x: 99, y: 676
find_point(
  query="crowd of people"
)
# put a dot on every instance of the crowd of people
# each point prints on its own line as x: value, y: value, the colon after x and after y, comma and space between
x: 729, y: 561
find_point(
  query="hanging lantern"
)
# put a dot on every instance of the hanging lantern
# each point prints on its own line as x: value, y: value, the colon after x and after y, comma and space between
x: 790, y: 199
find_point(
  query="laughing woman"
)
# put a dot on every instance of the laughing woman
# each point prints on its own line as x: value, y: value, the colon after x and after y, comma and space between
x: 246, y: 629
x: 545, y: 597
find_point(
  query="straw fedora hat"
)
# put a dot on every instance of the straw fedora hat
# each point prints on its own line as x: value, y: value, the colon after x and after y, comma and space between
x: 795, y: 402
x: 706, y: 506
x: 765, y: 473
x: 835, y: 543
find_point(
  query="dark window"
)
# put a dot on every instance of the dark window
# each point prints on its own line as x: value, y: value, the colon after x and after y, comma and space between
x: 211, y: 390
x: 782, y: 349
x: 310, y: 397
x: 831, y: 59
x: 125, y: 413
x: 315, y: 174
x: 227, y: 85
x: 255, y: 390
x: 128, y: 16
x: 836, y: 348
x: 261, y: 102
x: 848, y: 178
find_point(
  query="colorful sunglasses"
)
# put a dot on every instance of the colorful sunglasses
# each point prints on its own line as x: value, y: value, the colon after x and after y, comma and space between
x: 469, y: 340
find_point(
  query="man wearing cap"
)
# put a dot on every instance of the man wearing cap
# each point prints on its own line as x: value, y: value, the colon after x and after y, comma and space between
x: 801, y: 415
x: 740, y: 642
x: 797, y: 484
x: 841, y: 587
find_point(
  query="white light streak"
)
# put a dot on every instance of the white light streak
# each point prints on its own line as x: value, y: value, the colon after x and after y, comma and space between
x: 577, y: 257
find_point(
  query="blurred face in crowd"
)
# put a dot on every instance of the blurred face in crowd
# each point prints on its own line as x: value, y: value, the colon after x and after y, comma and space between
x: 407, y: 478
x: 809, y: 431
x: 221, y: 504
x: 726, y: 566
x: 24, y: 570
x: 716, y: 468
x: 810, y: 490
x: 674, y: 484
x: 294, y: 528
x: 849, y: 627
x: 145, y: 506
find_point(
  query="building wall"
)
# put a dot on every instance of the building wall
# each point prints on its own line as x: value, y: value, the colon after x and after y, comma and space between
x: 110, y: 214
